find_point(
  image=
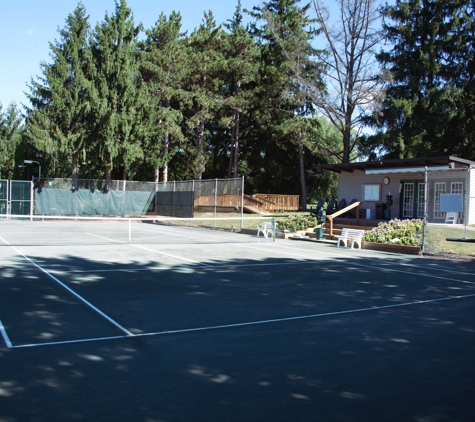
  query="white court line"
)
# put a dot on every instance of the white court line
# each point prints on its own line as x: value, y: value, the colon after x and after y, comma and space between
x: 154, y: 251
x: 369, y: 266
x: 117, y: 270
x: 193, y: 230
x: 106, y: 238
x: 73, y: 292
x: 5, y: 336
x: 173, y: 256
x: 250, y: 323
x: 372, y: 259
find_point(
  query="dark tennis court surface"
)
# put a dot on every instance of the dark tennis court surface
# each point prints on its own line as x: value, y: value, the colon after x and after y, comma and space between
x: 252, y: 331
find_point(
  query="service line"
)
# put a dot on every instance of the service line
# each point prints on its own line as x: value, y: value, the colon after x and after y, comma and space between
x: 251, y: 323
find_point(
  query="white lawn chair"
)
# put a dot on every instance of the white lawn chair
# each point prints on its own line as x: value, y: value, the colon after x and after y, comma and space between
x: 451, y: 217
x: 266, y: 229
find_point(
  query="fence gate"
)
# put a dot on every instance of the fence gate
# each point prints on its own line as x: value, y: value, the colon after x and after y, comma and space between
x: 15, y: 197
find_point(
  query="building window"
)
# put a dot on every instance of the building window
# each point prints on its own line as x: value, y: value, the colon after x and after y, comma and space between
x: 456, y: 187
x: 371, y: 192
x: 439, y: 188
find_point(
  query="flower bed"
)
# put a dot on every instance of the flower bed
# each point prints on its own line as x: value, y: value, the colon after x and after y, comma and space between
x: 295, y: 223
x: 396, y: 232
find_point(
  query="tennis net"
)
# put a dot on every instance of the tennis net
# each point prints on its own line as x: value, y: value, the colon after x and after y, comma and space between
x: 61, y: 230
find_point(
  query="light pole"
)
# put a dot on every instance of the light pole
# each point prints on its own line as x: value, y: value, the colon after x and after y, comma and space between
x: 36, y: 162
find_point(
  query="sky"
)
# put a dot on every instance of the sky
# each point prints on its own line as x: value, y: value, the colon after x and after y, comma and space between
x: 28, y: 26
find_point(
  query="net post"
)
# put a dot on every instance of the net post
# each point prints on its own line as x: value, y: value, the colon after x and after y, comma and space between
x: 130, y: 230
x: 273, y: 229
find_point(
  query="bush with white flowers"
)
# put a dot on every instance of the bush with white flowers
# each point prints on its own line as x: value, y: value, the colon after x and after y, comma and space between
x: 398, y: 232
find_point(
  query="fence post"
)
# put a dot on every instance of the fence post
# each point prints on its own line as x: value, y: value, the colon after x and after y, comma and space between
x: 9, y: 197
x: 274, y: 227
x: 426, y: 198
x: 242, y: 200
x: 215, y: 200
x: 32, y: 192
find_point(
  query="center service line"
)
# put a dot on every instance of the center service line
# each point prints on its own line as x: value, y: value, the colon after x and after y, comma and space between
x: 151, y: 250
x: 173, y: 256
x: 75, y: 294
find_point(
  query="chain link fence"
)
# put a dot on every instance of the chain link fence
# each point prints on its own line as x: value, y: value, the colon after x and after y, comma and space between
x: 15, y: 197
x: 447, y: 200
x: 89, y: 197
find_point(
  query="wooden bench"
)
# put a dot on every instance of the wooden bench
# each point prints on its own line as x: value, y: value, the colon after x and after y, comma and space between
x: 353, y: 236
x: 265, y: 229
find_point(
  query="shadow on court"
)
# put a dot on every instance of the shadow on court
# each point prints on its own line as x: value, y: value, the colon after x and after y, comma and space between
x: 345, y: 339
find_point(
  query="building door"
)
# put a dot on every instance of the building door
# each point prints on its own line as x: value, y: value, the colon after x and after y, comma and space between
x: 412, y: 199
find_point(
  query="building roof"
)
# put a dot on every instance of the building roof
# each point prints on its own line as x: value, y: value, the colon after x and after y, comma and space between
x: 402, y: 164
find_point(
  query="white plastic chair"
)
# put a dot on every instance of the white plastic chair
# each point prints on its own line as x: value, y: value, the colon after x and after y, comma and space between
x: 451, y: 217
x: 265, y: 229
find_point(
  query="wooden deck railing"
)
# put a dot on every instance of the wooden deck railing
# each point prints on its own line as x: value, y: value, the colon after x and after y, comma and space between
x: 343, y: 211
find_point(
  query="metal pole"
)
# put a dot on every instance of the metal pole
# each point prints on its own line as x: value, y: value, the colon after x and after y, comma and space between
x: 242, y: 201
x: 9, y: 197
x: 215, y: 200
x: 273, y: 229
x: 466, y: 200
x: 426, y: 191
x: 32, y: 188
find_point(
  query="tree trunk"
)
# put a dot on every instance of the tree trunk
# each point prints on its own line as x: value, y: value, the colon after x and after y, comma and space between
x: 156, y: 175
x: 108, y: 177
x: 166, y: 146
x: 303, y: 182
x: 236, y: 143
x: 199, y: 159
x: 74, y: 169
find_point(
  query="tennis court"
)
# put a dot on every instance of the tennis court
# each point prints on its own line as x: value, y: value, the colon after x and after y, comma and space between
x: 200, y: 325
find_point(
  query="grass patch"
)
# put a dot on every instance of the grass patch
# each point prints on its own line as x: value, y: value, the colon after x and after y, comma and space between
x: 436, y: 240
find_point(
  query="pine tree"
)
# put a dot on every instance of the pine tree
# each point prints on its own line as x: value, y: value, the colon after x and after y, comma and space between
x: 163, y: 68
x: 120, y: 100
x: 11, y: 123
x: 204, y: 79
x: 284, y: 103
x: 428, y: 104
x: 57, y: 121
x: 241, y: 66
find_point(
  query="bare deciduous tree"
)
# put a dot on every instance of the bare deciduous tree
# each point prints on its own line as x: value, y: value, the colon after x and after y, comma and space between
x: 353, y: 87
x: 352, y: 83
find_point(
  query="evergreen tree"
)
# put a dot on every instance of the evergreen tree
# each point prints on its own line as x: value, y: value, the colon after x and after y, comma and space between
x: 430, y: 99
x: 241, y: 66
x: 164, y: 69
x: 204, y: 79
x: 283, y: 102
x: 10, y: 134
x: 120, y: 100
x: 58, y: 119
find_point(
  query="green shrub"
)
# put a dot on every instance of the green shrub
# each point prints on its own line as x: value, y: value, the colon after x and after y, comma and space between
x: 398, y: 232
x: 297, y: 222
